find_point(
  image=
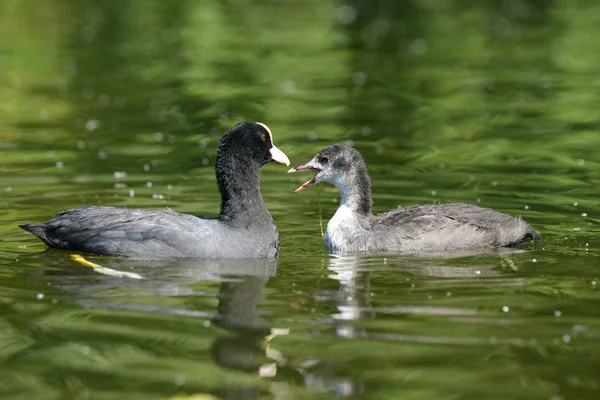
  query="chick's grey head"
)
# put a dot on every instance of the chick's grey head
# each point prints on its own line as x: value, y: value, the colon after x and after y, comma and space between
x: 338, y: 164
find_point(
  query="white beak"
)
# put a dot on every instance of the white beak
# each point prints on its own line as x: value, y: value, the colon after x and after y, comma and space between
x: 279, y: 156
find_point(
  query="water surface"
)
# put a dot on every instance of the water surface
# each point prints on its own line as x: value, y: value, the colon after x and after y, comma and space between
x: 123, y: 102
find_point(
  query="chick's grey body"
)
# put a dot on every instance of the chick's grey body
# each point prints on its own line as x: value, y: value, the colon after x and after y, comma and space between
x: 443, y: 227
x: 243, y: 229
x: 438, y: 227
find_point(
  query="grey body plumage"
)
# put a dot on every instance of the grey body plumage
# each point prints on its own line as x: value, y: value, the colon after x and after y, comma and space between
x: 137, y: 233
x: 426, y: 228
x: 243, y: 229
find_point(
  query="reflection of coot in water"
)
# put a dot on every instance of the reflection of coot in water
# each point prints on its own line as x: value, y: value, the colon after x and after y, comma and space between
x: 238, y: 305
x: 244, y: 228
x: 238, y: 312
x: 437, y: 227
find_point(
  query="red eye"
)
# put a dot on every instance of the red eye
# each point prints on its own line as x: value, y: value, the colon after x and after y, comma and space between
x: 263, y: 138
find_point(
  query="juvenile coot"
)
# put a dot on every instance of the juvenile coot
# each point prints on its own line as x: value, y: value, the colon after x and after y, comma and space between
x: 436, y: 227
x: 243, y: 229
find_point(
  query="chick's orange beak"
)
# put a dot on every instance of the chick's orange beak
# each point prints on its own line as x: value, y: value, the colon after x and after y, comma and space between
x: 305, y: 168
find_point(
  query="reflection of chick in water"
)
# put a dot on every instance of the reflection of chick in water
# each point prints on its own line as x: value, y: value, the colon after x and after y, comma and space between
x: 353, y: 299
x: 353, y: 272
x: 353, y: 295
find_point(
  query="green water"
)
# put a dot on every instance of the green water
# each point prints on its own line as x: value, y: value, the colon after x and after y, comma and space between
x: 122, y: 102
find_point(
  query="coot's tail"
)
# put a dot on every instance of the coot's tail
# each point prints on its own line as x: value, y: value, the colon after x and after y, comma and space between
x: 38, y: 230
x: 41, y: 231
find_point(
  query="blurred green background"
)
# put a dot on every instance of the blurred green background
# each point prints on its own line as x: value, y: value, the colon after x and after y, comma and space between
x: 122, y: 102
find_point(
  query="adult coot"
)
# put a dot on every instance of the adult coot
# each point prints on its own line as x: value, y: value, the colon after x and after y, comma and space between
x: 243, y: 229
x: 436, y: 227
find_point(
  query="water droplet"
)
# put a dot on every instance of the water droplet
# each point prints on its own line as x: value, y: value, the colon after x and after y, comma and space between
x: 494, y: 183
x: 581, y: 161
x: 359, y: 78
x: 59, y: 164
x: 8, y: 189
x: 146, y: 167
x: 584, y: 214
x: 346, y: 14
x: 505, y: 308
x: 180, y: 379
x: 289, y: 86
x: 526, y: 207
x: 433, y: 192
x: 92, y: 125
x: 533, y: 260
x: 575, y: 204
x: 418, y: 47
x: 149, y: 184
x: 80, y: 144
x: 577, y: 229
x: 566, y: 338
x: 158, y: 136
x: 85, y: 350
x: 131, y: 193
x: 169, y: 187
x: 206, y: 323
x: 223, y: 119
x: 120, y: 174
x: 478, y: 272
x: 557, y: 313
x: 449, y: 294
x: 40, y: 296
x: 312, y: 136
